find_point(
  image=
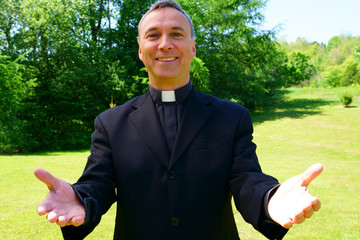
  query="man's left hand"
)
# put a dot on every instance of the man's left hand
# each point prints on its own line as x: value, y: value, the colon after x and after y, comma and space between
x: 292, y: 203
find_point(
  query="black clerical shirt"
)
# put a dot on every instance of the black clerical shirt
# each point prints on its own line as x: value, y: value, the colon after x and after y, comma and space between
x: 169, y: 106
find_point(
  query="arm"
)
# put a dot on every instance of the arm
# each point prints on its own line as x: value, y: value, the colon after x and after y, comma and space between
x: 249, y: 185
x: 282, y: 205
x: 96, y: 186
x: 78, y: 208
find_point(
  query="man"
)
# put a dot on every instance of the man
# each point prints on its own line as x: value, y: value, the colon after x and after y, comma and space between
x: 173, y: 157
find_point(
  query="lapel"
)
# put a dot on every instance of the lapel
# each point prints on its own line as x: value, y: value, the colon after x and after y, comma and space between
x: 196, y: 112
x: 146, y: 121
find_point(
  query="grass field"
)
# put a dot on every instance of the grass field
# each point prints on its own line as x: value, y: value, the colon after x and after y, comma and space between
x: 301, y: 127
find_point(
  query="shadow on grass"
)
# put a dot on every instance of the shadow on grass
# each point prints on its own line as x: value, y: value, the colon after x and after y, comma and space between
x: 285, y: 107
x: 45, y: 153
x: 352, y: 107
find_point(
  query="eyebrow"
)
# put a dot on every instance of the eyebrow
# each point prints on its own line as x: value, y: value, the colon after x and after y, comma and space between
x: 172, y: 28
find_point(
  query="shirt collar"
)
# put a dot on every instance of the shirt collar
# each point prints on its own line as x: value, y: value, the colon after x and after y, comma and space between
x: 178, y: 95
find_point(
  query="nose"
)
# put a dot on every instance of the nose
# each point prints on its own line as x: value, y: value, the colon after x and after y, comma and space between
x: 165, y: 43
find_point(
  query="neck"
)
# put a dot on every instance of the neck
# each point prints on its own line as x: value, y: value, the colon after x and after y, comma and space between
x: 168, y: 84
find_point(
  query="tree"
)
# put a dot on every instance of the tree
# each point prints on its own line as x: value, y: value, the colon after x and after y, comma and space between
x: 9, y: 19
x: 351, y: 74
x: 333, y: 65
x: 199, y: 75
x: 357, y: 51
x: 299, y: 68
x: 242, y: 60
x: 82, y: 54
x: 333, y: 77
x: 336, y: 57
x: 13, y: 90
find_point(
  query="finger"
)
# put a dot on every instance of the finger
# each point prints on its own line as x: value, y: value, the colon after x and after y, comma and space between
x: 62, y: 221
x: 310, y: 174
x: 299, y: 218
x: 77, y: 221
x: 308, y: 212
x: 46, y: 178
x: 52, y: 217
x: 41, y: 210
x: 316, y: 204
x: 288, y: 224
x: 285, y: 222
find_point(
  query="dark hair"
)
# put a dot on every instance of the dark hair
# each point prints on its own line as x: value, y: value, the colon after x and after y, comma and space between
x: 170, y: 4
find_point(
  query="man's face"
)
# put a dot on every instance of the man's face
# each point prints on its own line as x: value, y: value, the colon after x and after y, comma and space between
x: 166, y: 48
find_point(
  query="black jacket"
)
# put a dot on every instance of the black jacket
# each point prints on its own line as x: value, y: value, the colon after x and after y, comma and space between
x: 182, y: 196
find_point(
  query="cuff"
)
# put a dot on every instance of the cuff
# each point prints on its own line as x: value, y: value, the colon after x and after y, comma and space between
x: 270, y: 228
x: 267, y: 198
x: 90, y: 222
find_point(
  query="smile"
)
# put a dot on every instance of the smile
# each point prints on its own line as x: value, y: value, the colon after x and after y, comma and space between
x: 168, y: 59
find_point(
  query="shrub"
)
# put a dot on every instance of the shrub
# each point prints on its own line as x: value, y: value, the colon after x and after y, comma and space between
x: 346, y: 99
x: 333, y: 76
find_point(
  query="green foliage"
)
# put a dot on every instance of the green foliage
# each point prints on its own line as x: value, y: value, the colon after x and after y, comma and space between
x: 243, y: 62
x: 334, y: 65
x: 357, y: 51
x: 13, y: 90
x: 351, y: 71
x: 199, y: 75
x: 333, y: 77
x: 346, y: 99
x: 346, y: 74
x: 82, y: 53
x: 299, y: 68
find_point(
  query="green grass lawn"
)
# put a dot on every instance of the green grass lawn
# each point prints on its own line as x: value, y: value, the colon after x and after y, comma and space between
x: 301, y: 127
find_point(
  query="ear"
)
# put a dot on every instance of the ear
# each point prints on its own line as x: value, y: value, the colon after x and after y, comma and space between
x: 139, y: 52
x: 194, y: 48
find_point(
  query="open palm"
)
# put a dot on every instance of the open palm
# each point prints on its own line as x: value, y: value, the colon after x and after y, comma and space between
x: 292, y: 202
x: 61, y: 204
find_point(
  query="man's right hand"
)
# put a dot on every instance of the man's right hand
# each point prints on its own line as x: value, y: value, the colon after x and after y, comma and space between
x: 61, y: 204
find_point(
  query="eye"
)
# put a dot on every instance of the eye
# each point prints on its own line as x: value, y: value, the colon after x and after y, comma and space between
x: 153, y: 35
x: 177, y: 34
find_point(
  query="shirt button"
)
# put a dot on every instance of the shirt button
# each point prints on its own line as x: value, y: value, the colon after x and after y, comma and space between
x: 175, y: 221
x: 172, y: 175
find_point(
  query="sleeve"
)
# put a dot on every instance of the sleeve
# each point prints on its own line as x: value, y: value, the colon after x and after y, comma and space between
x: 249, y: 185
x: 96, y: 187
x: 270, y: 229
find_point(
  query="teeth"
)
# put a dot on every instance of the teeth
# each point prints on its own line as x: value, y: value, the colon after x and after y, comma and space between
x: 166, y: 59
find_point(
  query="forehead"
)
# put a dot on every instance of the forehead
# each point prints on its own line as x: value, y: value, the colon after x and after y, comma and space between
x: 164, y: 18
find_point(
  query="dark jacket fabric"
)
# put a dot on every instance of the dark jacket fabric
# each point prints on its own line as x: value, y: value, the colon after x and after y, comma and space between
x: 180, y: 196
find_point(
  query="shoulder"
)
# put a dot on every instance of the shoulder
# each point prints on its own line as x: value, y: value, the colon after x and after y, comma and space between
x: 221, y: 104
x: 123, y: 109
x: 227, y: 114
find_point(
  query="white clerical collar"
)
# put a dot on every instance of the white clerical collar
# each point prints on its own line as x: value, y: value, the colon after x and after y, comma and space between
x: 168, y: 96
x: 178, y: 95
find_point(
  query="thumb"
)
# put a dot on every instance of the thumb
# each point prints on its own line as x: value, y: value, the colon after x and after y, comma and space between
x: 310, y: 174
x: 46, y: 178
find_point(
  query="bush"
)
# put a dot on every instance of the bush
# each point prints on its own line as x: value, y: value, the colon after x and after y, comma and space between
x: 346, y: 99
x: 333, y: 76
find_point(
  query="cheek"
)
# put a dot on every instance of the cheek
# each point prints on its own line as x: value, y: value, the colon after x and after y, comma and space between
x: 146, y: 49
x: 188, y: 50
x: 190, y: 54
x: 144, y: 57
